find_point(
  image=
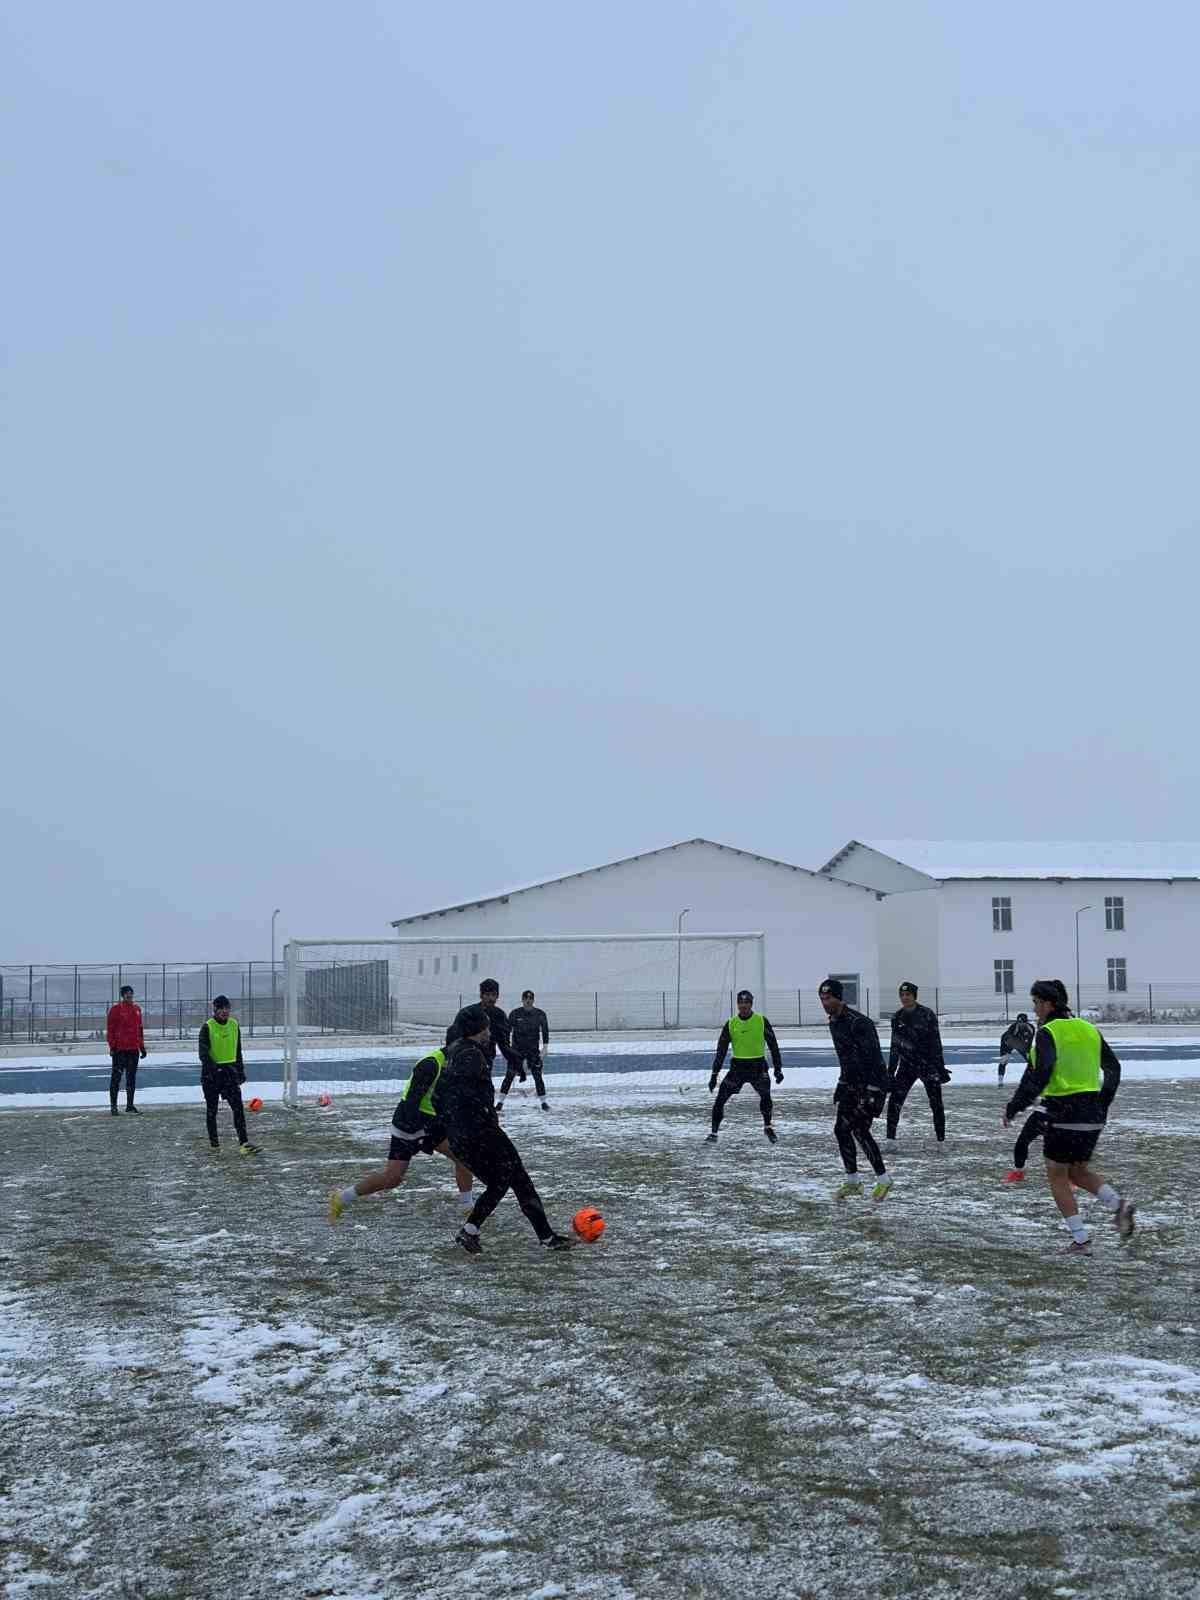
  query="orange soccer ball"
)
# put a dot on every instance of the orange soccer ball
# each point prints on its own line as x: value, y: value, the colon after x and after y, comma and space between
x: 588, y: 1224
x: 256, y: 1104
x: 324, y: 1100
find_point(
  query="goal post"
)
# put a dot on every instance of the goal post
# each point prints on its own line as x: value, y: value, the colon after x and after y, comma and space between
x: 379, y: 999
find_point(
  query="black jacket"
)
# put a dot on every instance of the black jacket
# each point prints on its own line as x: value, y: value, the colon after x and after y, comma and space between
x: 1017, y: 1036
x: 1066, y: 1110
x: 498, y: 1023
x: 465, y: 1097
x: 916, y: 1041
x: 856, y: 1040
x: 530, y: 1030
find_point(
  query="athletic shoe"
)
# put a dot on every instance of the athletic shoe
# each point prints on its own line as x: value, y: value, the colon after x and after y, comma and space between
x: 558, y: 1241
x: 850, y: 1189
x: 1078, y: 1247
x: 1124, y: 1219
x: 883, y: 1187
x: 1014, y: 1175
x: 712, y: 1139
x: 133, y: 1111
x: 114, y: 1111
x: 499, y: 1105
x: 545, y: 1105
x: 335, y: 1206
x: 771, y: 1135
x: 470, y: 1242
x: 214, y: 1147
x: 249, y: 1149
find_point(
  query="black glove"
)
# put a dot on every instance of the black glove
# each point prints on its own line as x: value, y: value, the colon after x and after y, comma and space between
x: 943, y: 1075
x: 143, y: 1055
x: 241, y: 1077
x: 778, y: 1074
x: 712, y: 1083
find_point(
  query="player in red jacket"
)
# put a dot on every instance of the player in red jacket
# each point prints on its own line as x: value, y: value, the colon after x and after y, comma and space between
x: 126, y: 1045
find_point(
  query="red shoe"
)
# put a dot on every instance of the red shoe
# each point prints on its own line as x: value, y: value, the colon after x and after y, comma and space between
x: 1016, y: 1175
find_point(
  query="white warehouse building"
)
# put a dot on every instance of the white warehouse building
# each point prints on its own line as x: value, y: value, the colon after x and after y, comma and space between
x: 813, y: 925
x: 975, y: 923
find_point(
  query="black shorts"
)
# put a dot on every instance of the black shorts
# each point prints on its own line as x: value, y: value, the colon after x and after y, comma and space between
x: 426, y: 1145
x: 742, y: 1073
x: 1070, y: 1146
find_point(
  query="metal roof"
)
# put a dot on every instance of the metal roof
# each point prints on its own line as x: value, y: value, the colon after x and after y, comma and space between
x: 583, y: 872
x: 947, y: 859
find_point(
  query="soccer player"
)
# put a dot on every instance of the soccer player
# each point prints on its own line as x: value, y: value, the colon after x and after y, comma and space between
x: 498, y: 1028
x: 1015, y: 1040
x: 464, y: 1100
x: 860, y: 1093
x: 126, y: 1046
x: 222, y: 1073
x: 1072, y: 1067
x: 751, y: 1036
x: 916, y: 1053
x: 530, y: 1040
x: 1035, y: 1128
x: 415, y: 1129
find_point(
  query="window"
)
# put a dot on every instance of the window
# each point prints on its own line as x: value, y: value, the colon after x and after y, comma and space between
x: 1114, y: 913
x: 437, y: 965
x: 1118, y: 983
x: 1003, y: 974
x: 849, y: 982
x: 420, y: 966
x: 453, y: 963
x: 475, y: 963
x: 1001, y: 915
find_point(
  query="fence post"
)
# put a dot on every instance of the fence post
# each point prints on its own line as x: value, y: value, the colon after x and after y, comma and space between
x: 664, y: 1006
x: 162, y: 1020
x: 1150, y: 992
x: 1006, y: 1005
x: 30, y: 1004
x: 868, y: 1000
x: 596, y: 998
x: 250, y: 975
x: 75, y: 1018
x: 799, y: 1010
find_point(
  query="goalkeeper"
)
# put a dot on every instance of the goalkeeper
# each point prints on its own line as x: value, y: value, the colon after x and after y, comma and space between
x: 415, y: 1131
x: 530, y: 1040
x: 751, y: 1036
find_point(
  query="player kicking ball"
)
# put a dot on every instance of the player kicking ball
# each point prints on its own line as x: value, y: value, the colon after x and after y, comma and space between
x: 415, y: 1129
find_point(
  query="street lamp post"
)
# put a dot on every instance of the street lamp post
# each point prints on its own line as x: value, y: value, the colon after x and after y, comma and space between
x: 1078, y: 914
x: 679, y: 958
x: 274, y: 914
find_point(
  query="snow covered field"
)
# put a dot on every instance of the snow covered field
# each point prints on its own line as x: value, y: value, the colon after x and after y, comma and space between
x: 206, y: 1390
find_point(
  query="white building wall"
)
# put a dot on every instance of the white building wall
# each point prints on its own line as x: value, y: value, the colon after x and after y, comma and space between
x: 813, y: 925
x: 860, y: 864
x: 1160, y: 942
x: 910, y: 944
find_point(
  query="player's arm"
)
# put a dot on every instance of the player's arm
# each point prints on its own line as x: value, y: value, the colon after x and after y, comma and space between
x: 141, y: 1034
x: 1110, y: 1066
x: 544, y: 1025
x: 1035, y: 1078
x: 894, y: 1047
x: 409, y: 1115
x: 205, y: 1048
x: 773, y: 1047
x: 723, y: 1044
x: 108, y: 1029
x: 936, y: 1053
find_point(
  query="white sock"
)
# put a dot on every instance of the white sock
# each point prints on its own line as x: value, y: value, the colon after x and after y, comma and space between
x: 1108, y: 1196
x: 1078, y: 1228
x: 466, y: 1199
x: 349, y: 1194
x: 469, y: 1227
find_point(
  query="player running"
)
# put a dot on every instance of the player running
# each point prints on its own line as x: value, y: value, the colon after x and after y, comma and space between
x: 464, y: 1100
x: 415, y: 1130
x: 1072, y: 1067
x: 1015, y: 1040
x: 529, y: 1035
x: 860, y: 1093
x: 916, y: 1053
x: 751, y: 1036
x: 1035, y: 1128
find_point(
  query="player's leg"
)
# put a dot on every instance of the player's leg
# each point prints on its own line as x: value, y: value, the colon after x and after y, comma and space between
x: 844, y: 1135
x: 114, y: 1079
x: 526, y: 1195
x: 1058, y: 1176
x: 861, y: 1126
x: 937, y: 1106
x: 539, y: 1083
x: 901, y: 1084
x: 1035, y: 1127
x: 482, y: 1157
x: 1123, y: 1213
x: 233, y: 1094
x: 131, y: 1067
x: 762, y: 1087
x: 731, y: 1084
x: 390, y: 1176
x: 510, y: 1072
x: 436, y: 1140
x: 212, y: 1102
x: 1000, y: 1066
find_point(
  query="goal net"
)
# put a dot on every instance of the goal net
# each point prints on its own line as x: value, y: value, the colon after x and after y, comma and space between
x: 359, y: 1012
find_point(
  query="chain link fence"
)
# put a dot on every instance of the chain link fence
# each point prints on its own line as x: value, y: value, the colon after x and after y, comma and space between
x: 67, y: 1004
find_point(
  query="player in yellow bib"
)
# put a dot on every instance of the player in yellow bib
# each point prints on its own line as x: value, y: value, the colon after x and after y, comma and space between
x: 415, y: 1130
x: 750, y: 1036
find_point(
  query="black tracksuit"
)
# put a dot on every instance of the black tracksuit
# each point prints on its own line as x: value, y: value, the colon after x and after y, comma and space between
x: 861, y: 1089
x: 1035, y: 1128
x: 222, y: 1083
x: 530, y: 1030
x: 1016, y: 1039
x: 499, y: 1026
x: 916, y: 1052
x: 465, y: 1101
x: 741, y: 1073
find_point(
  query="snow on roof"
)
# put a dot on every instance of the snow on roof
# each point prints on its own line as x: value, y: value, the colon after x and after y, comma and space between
x: 544, y: 883
x: 971, y: 858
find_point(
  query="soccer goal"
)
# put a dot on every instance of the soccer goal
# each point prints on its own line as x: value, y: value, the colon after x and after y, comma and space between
x: 359, y: 1012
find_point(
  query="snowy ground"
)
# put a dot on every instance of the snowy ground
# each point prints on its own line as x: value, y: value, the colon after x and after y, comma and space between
x: 205, y: 1390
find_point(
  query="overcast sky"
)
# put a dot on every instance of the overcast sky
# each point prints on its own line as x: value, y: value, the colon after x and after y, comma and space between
x: 449, y: 445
